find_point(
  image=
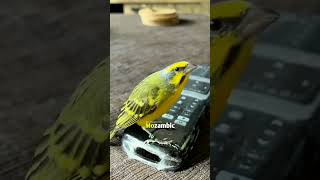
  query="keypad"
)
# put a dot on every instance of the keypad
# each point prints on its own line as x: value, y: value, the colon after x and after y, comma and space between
x: 243, y: 140
x: 183, y: 110
x: 168, y: 116
x: 202, y: 71
x: 198, y: 86
x: 248, y: 144
x: 287, y: 81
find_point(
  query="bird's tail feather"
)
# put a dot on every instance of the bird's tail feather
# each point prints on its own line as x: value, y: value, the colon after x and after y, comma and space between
x: 48, y: 171
x: 113, y: 133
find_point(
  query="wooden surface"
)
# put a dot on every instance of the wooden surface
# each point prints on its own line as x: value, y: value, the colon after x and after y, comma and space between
x: 136, y: 51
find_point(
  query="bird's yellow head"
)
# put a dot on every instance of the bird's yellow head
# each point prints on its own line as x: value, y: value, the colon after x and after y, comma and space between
x: 234, y: 24
x: 176, y: 73
x: 240, y: 19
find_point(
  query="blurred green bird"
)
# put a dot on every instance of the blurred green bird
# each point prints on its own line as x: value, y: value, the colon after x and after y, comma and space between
x: 75, y: 147
x: 234, y: 26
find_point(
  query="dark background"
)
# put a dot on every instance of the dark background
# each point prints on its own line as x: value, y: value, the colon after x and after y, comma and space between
x: 299, y: 33
x: 116, y: 8
x: 46, y: 48
x: 293, y: 6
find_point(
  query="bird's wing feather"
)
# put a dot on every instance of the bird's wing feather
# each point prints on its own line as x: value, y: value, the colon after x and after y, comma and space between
x: 76, y: 140
x: 141, y: 103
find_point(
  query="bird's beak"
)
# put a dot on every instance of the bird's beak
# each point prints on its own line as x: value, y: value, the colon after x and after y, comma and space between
x: 190, y: 68
x: 255, y: 21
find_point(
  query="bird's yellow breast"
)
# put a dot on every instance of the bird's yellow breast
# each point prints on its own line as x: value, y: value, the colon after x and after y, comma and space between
x: 222, y: 86
x: 164, y: 106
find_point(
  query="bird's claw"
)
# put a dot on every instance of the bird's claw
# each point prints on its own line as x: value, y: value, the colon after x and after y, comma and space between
x: 151, y: 136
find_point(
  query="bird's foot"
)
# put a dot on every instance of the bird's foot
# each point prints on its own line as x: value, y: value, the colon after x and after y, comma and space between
x: 162, y: 142
x: 151, y: 136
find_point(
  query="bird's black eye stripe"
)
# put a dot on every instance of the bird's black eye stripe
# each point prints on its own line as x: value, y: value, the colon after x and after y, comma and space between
x: 215, y: 25
x: 181, y: 80
x: 177, y: 69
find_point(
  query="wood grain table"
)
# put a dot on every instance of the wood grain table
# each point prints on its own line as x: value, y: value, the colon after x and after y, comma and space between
x: 135, y: 52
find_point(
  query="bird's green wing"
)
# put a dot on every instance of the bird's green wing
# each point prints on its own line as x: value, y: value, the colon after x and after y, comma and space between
x: 73, y: 147
x: 142, y: 102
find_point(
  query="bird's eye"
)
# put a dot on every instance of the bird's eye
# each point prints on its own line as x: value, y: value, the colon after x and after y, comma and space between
x: 177, y: 69
x: 215, y: 25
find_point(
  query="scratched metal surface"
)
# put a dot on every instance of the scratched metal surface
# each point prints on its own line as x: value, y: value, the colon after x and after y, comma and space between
x: 135, y: 52
x: 46, y: 47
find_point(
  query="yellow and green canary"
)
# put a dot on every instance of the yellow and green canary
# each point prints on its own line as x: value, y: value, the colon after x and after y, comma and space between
x: 75, y: 147
x: 153, y: 96
x: 234, y: 25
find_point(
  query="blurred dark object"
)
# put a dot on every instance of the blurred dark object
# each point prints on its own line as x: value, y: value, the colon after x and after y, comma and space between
x: 47, y: 47
x: 116, y: 8
x: 270, y: 129
x: 292, y: 6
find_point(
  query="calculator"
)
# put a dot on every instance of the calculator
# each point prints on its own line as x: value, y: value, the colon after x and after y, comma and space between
x: 185, y: 115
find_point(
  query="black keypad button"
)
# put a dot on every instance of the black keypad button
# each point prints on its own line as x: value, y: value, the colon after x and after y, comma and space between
x: 255, y: 136
x: 291, y: 82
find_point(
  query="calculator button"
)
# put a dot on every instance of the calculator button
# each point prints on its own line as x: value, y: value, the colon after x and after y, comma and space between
x: 253, y: 156
x: 177, y: 108
x: 258, y: 87
x: 168, y: 116
x: 183, y: 97
x: 262, y: 142
x: 277, y: 123
x: 278, y: 65
x: 236, y: 115
x: 305, y: 83
x: 191, y: 108
x: 223, y: 128
x: 244, y: 167
x: 272, y: 91
x: 180, y: 122
x: 186, y: 113
x: 182, y: 118
x: 269, y: 132
x: 285, y: 93
x: 225, y: 175
x: 173, y: 111
x: 269, y: 75
x: 179, y: 102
